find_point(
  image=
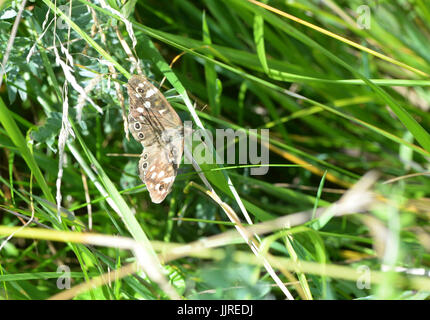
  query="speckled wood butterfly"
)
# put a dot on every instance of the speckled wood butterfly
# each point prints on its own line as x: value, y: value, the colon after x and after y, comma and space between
x: 155, y: 124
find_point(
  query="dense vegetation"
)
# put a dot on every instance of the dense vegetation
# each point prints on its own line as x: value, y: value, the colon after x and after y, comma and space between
x: 342, y: 213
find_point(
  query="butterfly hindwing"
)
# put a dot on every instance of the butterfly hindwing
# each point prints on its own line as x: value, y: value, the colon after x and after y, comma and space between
x: 157, y: 172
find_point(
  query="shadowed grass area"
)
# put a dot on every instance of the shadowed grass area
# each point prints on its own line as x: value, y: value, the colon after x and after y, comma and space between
x: 341, y: 87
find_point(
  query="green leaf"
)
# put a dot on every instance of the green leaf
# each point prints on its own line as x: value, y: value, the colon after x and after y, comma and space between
x: 18, y: 139
x: 48, y: 132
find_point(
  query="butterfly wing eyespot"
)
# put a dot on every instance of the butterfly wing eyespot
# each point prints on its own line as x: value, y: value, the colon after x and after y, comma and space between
x: 141, y: 135
x: 137, y: 126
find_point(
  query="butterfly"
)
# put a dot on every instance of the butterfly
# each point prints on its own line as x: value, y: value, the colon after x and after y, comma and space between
x: 156, y: 125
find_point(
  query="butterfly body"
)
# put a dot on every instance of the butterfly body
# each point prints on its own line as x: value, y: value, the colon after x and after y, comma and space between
x: 155, y: 124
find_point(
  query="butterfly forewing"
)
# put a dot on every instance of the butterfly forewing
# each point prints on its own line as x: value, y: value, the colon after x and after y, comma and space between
x: 147, y: 100
x: 155, y: 124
